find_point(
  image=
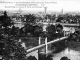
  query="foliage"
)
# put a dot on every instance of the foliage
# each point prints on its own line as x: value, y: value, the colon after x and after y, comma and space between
x: 30, y: 18
x: 64, y: 58
x: 37, y: 31
x: 33, y: 30
x: 5, y: 20
x: 51, y: 29
x: 31, y: 58
x: 13, y: 50
x: 10, y: 48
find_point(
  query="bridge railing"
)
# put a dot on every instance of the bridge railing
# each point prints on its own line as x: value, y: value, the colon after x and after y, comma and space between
x: 46, y: 43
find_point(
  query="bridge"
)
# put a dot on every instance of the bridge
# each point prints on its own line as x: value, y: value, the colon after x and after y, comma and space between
x: 45, y: 47
x: 46, y: 44
x: 63, y: 24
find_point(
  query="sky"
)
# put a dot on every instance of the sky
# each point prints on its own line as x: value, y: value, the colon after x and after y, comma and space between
x: 39, y: 5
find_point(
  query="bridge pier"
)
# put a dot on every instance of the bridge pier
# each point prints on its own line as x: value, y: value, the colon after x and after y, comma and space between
x: 44, y: 56
x: 42, y: 51
x: 41, y: 56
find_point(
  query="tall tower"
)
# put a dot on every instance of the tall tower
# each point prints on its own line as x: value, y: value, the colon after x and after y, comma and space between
x: 62, y: 12
x: 45, y: 10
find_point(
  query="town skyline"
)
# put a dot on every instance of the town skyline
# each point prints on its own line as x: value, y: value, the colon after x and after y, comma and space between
x: 38, y: 6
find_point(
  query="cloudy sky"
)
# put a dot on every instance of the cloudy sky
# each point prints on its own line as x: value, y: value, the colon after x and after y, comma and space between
x: 38, y: 5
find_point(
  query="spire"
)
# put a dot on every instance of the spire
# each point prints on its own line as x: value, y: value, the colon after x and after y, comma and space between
x: 62, y: 12
x: 45, y: 10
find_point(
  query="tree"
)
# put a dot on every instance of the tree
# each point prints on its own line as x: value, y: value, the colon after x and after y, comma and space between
x: 31, y: 58
x: 30, y: 18
x: 5, y: 20
x: 37, y: 31
x: 64, y: 58
x: 13, y: 50
x: 60, y: 18
x: 51, y: 31
x: 29, y: 29
x: 48, y: 16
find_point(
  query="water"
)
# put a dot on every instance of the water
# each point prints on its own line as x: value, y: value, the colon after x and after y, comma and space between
x: 71, y: 54
x: 34, y: 53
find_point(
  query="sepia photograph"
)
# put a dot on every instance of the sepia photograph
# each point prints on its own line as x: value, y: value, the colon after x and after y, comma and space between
x: 39, y: 29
